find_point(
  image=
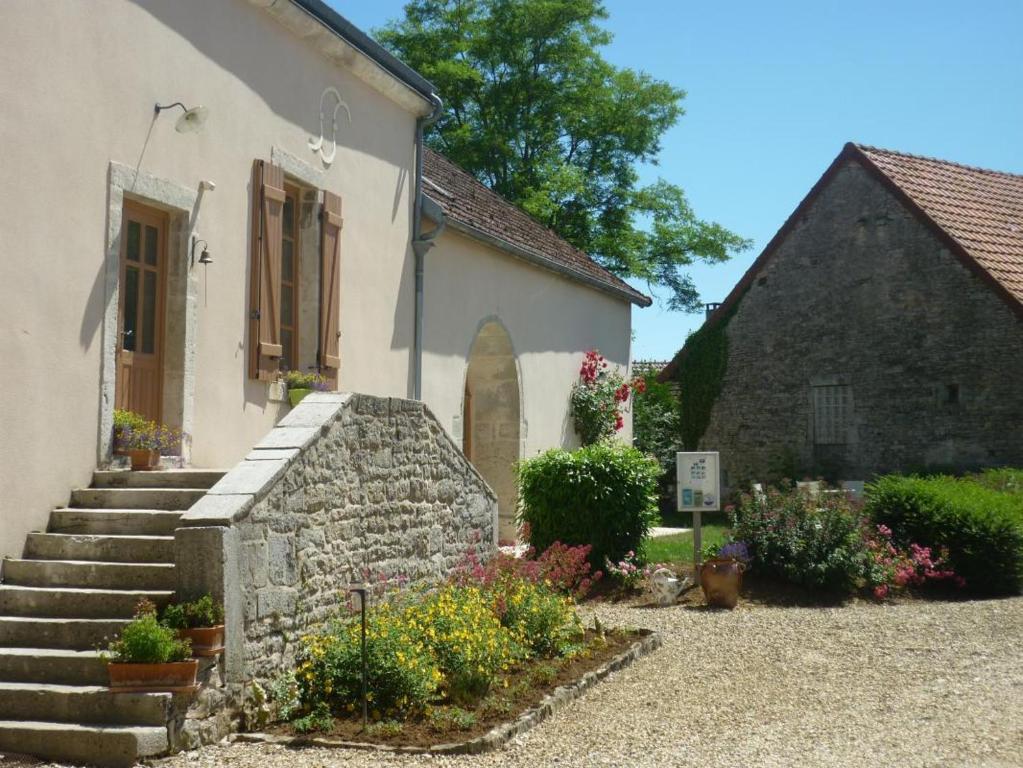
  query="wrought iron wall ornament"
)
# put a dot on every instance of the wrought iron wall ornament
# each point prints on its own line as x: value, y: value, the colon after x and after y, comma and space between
x: 317, y: 144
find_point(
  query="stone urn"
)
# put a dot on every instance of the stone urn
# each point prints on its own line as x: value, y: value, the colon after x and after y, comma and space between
x: 721, y: 581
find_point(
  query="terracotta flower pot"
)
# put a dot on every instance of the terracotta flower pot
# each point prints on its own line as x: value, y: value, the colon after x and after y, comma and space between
x: 206, y: 641
x: 144, y: 458
x: 721, y: 580
x: 174, y: 677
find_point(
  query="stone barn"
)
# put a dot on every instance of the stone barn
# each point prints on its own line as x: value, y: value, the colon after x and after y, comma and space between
x: 880, y: 330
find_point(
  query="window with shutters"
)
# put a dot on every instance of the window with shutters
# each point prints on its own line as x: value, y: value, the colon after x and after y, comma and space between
x: 296, y: 277
x: 832, y: 413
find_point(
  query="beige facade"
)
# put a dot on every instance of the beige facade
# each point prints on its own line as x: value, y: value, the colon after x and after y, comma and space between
x: 511, y: 331
x: 78, y: 83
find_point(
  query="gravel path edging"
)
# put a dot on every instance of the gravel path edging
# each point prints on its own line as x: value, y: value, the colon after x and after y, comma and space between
x: 499, y: 735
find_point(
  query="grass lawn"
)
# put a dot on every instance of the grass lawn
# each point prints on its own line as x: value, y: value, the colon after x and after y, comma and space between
x: 679, y: 548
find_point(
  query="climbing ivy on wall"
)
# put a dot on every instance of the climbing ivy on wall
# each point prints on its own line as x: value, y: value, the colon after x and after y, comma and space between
x: 700, y: 377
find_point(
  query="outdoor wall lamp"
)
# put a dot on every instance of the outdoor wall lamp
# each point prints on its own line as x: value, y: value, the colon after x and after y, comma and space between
x: 191, y: 121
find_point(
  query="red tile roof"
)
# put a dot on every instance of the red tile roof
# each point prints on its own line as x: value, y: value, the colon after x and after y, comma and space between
x: 472, y: 207
x: 976, y: 213
x: 981, y: 210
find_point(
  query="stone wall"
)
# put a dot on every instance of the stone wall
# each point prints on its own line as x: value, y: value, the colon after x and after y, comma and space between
x: 861, y: 293
x: 345, y: 487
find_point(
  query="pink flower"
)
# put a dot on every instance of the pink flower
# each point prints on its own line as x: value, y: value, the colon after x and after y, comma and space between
x: 884, y: 530
x: 881, y: 591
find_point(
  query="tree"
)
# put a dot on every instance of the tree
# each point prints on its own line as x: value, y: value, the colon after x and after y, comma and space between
x: 534, y: 111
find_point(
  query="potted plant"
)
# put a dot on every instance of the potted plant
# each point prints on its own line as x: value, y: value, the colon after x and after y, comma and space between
x: 143, y: 441
x: 301, y: 384
x: 721, y: 573
x: 149, y: 657
x: 125, y: 422
x: 201, y: 622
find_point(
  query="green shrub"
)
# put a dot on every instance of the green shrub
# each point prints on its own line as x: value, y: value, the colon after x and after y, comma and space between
x: 1003, y: 479
x: 981, y: 528
x: 540, y: 619
x: 816, y: 542
x: 144, y: 640
x: 604, y: 495
x: 203, y: 612
x: 402, y: 675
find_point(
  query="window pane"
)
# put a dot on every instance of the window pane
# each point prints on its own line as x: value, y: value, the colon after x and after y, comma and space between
x: 289, y: 216
x: 131, y: 309
x: 149, y: 313
x: 287, y: 305
x: 134, y: 234
x: 286, y: 343
x: 151, y: 234
x: 288, y: 261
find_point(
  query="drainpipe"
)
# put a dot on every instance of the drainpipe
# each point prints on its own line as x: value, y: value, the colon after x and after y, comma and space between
x: 421, y: 245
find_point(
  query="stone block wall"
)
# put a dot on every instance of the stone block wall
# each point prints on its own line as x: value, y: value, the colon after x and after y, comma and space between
x: 345, y: 487
x: 861, y: 293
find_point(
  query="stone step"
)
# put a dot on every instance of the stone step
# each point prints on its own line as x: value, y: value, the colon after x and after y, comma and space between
x: 117, y: 521
x: 176, y: 499
x: 170, y: 478
x: 106, y: 547
x: 52, y: 665
x: 111, y: 746
x: 42, y: 632
x: 94, y: 574
x: 74, y: 602
x: 81, y: 704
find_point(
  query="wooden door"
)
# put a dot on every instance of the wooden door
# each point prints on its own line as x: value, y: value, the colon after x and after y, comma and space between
x: 141, y: 310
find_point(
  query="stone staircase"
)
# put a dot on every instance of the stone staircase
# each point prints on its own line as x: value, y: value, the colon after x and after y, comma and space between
x: 76, y: 586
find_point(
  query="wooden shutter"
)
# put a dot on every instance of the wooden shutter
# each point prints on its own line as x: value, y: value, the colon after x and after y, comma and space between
x: 265, y: 297
x: 330, y: 286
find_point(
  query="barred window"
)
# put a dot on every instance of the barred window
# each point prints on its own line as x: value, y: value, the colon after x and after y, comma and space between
x: 832, y: 413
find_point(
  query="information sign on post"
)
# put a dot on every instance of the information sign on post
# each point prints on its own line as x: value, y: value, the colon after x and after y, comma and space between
x: 699, y: 490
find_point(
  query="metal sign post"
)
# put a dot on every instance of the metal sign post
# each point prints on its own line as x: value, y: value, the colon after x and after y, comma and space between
x: 698, y: 478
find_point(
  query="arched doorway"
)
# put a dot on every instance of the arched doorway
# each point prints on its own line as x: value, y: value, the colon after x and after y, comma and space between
x: 490, y: 418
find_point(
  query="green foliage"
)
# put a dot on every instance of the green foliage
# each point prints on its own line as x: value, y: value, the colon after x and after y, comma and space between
x: 203, y: 612
x: 403, y: 675
x: 463, y: 631
x: 144, y: 640
x: 124, y: 419
x: 982, y: 528
x: 299, y: 380
x: 700, y: 378
x: 1003, y: 479
x: 447, y: 646
x: 319, y: 719
x: 445, y: 719
x: 533, y: 110
x: 657, y: 422
x: 817, y: 542
x: 604, y: 495
x: 539, y: 618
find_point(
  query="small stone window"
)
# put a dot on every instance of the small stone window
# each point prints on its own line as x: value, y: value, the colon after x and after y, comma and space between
x: 832, y: 413
x: 952, y: 394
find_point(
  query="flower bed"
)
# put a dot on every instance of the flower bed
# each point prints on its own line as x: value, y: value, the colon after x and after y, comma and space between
x: 451, y: 662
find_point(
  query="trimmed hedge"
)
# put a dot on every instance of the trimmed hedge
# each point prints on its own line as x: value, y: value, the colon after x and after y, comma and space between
x: 982, y: 528
x: 604, y: 495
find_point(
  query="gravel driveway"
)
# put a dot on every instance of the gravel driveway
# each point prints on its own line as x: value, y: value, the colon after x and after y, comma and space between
x: 915, y: 684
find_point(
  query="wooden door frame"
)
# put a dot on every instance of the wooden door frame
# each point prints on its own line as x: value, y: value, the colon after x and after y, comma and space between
x: 145, y: 214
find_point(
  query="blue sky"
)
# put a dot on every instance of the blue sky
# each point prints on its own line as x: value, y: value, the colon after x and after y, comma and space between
x: 776, y: 88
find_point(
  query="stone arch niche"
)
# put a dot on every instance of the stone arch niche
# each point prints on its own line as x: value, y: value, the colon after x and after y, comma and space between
x: 491, y: 418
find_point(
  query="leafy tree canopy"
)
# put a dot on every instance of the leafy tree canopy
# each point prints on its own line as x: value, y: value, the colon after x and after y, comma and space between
x: 535, y: 112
